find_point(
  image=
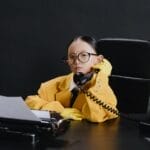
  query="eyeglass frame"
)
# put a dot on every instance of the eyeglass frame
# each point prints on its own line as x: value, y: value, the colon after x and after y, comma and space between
x: 78, y: 58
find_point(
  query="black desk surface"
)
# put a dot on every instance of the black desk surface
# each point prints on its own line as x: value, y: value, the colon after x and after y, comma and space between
x: 118, y: 134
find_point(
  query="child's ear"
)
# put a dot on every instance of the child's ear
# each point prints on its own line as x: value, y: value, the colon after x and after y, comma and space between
x: 100, y: 58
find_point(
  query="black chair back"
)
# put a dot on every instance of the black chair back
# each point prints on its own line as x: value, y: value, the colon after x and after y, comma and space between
x: 130, y: 77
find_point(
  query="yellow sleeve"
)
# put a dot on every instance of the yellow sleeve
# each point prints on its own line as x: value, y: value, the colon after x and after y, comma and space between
x: 45, y: 100
x: 101, y: 89
x: 35, y: 102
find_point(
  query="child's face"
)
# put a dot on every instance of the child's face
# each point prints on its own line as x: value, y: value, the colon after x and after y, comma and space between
x: 79, y: 58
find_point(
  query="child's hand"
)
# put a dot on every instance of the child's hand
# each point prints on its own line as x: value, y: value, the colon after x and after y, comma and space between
x: 72, y: 113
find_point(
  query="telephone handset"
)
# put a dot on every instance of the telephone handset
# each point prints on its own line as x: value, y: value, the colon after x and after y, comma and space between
x: 80, y: 79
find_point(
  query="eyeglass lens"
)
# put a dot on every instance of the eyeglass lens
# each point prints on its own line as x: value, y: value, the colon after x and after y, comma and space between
x: 83, y: 57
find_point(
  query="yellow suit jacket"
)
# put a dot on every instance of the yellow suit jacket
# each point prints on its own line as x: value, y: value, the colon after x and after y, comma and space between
x: 55, y: 95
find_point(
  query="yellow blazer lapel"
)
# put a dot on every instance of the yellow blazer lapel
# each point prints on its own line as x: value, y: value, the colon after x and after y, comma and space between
x: 64, y: 95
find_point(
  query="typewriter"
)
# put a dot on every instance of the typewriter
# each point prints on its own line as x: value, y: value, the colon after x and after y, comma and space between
x: 18, y: 121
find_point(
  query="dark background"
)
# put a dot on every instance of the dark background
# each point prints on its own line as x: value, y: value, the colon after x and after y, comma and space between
x: 34, y: 35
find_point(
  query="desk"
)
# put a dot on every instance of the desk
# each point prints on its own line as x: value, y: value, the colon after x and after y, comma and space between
x: 117, y: 134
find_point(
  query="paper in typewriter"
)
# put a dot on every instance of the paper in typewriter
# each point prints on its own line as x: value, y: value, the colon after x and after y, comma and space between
x: 15, y: 108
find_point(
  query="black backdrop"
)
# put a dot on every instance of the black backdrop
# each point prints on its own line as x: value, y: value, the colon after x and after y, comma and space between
x: 34, y: 35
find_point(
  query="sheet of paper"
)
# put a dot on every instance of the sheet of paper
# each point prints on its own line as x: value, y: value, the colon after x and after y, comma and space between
x: 16, y: 108
x: 42, y: 114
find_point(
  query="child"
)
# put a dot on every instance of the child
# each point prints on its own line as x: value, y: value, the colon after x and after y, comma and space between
x: 89, y: 74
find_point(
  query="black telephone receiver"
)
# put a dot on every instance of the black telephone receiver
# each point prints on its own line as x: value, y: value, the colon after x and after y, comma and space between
x: 80, y: 79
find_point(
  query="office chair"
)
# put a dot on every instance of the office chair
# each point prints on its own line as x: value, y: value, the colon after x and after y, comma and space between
x: 130, y: 77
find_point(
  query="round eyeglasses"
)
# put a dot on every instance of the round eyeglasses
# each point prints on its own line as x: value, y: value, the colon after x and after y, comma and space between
x: 82, y: 57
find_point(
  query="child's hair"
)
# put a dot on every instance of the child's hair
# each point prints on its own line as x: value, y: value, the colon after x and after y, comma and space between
x: 88, y: 39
